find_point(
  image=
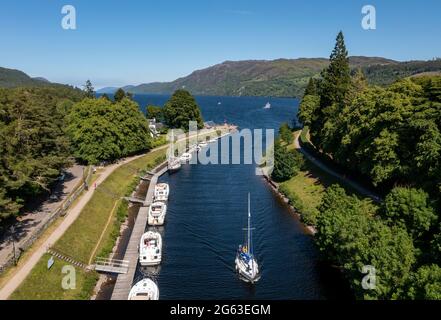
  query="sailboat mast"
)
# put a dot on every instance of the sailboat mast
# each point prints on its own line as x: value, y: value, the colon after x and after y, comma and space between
x: 249, y: 225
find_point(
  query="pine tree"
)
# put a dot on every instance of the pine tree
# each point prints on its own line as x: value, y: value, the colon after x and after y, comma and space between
x: 119, y: 95
x: 89, y: 89
x: 337, y: 77
x: 311, y: 88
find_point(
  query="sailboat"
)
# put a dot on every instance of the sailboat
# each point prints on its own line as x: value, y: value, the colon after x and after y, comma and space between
x: 246, y: 264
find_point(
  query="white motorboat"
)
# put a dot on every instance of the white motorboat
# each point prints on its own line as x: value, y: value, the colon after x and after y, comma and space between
x: 157, y: 212
x: 186, y: 157
x: 145, y: 289
x: 150, y: 249
x: 194, y: 148
x: 174, y: 164
x: 267, y: 106
x: 246, y: 264
x: 162, y: 191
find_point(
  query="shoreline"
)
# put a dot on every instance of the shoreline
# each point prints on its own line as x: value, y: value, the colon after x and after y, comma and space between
x: 309, y: 229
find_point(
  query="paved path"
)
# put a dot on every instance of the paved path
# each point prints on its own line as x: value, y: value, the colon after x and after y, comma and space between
x: 71, y: 216
x: 27, y: 224
x: 356, y: 186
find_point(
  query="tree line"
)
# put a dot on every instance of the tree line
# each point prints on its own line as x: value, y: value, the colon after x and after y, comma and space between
x: 391, y: 136
x: 44, y: 130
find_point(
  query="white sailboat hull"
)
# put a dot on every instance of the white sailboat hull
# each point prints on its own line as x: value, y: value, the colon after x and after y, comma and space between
x: 248, y: 273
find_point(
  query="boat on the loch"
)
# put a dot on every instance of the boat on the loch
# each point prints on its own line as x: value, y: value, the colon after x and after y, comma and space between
x: 246, y: 264
x: 162, y: 191
x: 267, y: 106
x: 150, y: 249
x: 157, y: 212
x: 145, y: 289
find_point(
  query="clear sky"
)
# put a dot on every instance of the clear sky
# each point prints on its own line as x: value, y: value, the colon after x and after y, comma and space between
x: 131, y: 42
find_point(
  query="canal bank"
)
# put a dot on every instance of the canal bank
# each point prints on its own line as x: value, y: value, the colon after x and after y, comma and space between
x: 126, y: 247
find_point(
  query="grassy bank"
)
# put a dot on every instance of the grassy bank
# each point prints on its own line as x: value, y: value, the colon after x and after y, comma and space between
x: 44, y: 284
x: 88, y: 236
x: 305, y: 190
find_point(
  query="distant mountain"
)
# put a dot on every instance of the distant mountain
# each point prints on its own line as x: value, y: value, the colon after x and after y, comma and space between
x: 107, y: 90
x: 282, y: 77
x: 10, y: 78
x: 112, y: 90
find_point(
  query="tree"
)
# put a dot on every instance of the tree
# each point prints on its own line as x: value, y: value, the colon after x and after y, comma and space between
x: 308, y: 109
x: 285, y: 133
x: 89, y: 90
x: 334, y: 88
x: 119, y: 95
x: 312, y: 88
x: 180, y: 109
x: 154, y: 112
x: 337, y: 77
x: 105, y: 97
x: 33, y: 145
x: 8, y: 207
x: 409, y: 208
x: 424, y: 284
x: 350, y: 236
x: 101, y: 130
x: 287, y: 163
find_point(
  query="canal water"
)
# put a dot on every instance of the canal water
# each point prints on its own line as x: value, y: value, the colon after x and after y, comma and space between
x: 207, y: 212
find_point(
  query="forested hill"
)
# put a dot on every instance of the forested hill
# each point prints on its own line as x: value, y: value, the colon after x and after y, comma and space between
x: 10, y: 78
x: 282, y: 77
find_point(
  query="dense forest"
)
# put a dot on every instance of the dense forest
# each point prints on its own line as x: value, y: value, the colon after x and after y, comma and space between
x: 33, y: 144
x: 43, y: 130
x: 391, y: 136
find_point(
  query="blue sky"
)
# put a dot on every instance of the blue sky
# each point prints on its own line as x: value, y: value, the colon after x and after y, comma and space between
x: 130, y: 42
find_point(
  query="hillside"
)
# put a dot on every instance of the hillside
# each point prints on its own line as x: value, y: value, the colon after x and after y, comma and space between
x: 282, y: 77
x: 10, y: 78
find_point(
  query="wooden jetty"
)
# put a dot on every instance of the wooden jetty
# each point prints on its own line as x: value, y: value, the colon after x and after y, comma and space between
x: 124, y: 281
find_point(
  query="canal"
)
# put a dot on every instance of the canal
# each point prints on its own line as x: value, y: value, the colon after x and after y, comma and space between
x: 207, y: 211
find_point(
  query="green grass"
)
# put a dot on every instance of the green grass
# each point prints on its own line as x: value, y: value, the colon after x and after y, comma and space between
x: 44, y: 284
x: 306, y: 189
x: 80, y: 239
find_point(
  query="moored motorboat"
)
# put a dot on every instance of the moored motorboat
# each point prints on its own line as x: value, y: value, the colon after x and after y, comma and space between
x: 150, y: 249
x: 186, y: 157
x: 203, y: 144
x: 157, y: 212
x: 145, y: 289
x: 174, y: 164
x: 246, y: 264
x: 162, y: 191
